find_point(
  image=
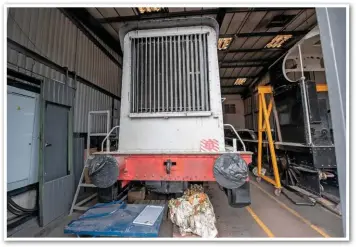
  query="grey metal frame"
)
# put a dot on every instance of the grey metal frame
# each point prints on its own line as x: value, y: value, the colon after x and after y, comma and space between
x: 48, y: 199
x: 79, y: 205
x: 333, y: 25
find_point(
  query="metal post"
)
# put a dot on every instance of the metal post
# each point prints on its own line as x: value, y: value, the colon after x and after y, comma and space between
x: 333, y: 25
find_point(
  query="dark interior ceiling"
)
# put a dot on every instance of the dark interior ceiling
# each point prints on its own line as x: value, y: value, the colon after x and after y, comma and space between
x: 251, y: 29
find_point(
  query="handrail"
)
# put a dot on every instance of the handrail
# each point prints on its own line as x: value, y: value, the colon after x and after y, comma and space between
x: 232, y: 127
x: 106, y: 137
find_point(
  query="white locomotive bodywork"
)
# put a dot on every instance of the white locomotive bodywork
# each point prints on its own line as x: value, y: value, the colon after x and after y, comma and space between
x: 171, y: 99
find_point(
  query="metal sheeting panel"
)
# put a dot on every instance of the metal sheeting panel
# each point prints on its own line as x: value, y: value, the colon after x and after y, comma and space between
x: 78, y: 158
x: 88, y: 99
x: 56, y: 203
x: 51, y: 34
x: 19, y: 62
x: 46, y: 31
x: 96, y: 67
x: 58, y: 92
x: 170, y: 74
x: 116, y: 114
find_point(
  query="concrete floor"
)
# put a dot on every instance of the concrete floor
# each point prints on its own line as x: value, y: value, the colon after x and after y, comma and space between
x: 267, y: 216
x: 270, y: 216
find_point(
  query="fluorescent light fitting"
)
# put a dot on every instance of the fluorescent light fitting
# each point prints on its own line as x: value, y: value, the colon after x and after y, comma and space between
x: 278, y: 41
x: 143, y: 10
x: 240, y: 81
x: 224, y: 43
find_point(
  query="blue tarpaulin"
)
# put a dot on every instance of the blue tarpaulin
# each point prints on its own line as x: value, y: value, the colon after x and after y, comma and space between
x: 113, y: 219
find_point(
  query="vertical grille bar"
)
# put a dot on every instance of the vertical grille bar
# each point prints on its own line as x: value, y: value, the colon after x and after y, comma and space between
x: 206, y: 72
x: 188, y: 72
x: 193, y: 70
x: 180, y: 74
x: 202, y: 75
x: 133, y: 74
x: 171, y: 71
x: 150, y: 73
x: 196, y: 75
x: 146, y: 78
x: 184, y: 73
x: 175, y: 68
x: 166, y: 73
x: 154, y: 74
x: 138, y: 75
x: 158, y: 74
x: 163, y: 82
x: 141, y: 77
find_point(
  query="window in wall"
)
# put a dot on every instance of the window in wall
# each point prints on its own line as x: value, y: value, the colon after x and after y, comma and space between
x: 229, y: 109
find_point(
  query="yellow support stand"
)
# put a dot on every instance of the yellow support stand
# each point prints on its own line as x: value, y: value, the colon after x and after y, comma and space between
x: 264, y: 126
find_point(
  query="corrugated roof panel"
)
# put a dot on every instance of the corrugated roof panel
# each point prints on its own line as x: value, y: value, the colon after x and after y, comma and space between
x: 251, y: 71
x: 125, y: 11
x: 175, y: 10
x: 222, y: 72
x: 236, y: 72
x: 107, y: 12
x: 228, y: 72
x: 229, y: 56
x: 252, y: 21
x: 250, y: 42
x: 95, y: 13
x: 300, y: 19
x: 258, y: 70
x: 261, y: 27
x: 226, y: 22
x: 238, y: 56
x: 112, y: 30
x: 237, y: 43
x: 262, y: 42
x: 244, y: 72
x: 236, y: 22
x: 225, y: 82
x: 193, y: 9
x: 221, y: 55
x: 247, y: 55
x: 117, y: 26
x: 307, y: 24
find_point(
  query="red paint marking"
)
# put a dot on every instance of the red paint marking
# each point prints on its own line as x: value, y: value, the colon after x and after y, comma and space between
x: 187, y: 168
x: 209, y: 145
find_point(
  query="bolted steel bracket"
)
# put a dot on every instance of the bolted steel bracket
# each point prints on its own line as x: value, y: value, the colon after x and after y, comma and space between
x: 169, y: 165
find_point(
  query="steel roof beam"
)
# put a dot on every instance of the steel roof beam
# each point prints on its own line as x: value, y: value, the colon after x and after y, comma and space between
x: 220, y: 16
x: 245, y: 61
x: 242, y: 65
x: 263, y: 34
x: 152, y: 16
x: 82, y: 15
x: 255, y: 50
x: 234, y: 78
x: 235, y: 86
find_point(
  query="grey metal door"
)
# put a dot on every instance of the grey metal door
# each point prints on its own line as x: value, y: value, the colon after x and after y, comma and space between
x: 56, y: 141
x: 56, y: 173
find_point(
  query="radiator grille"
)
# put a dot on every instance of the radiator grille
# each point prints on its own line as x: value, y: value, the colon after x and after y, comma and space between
x: 169, y: 74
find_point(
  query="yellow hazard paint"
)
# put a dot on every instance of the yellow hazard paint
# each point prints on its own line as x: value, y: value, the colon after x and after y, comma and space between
x: 260, y: 222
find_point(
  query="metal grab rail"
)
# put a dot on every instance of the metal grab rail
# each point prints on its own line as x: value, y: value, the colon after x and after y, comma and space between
x: 106, y: 137
x: 232, y: 127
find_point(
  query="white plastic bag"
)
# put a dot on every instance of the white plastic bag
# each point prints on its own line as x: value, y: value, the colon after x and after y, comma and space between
x: 193, y: 213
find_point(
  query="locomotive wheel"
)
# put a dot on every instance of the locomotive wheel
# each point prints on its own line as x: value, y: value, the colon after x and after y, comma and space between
x: 258, y: 179
x: 277, y: 192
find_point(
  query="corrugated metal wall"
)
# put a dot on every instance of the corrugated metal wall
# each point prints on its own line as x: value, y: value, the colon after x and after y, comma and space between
x: 48, y: 32
x: 88, y: 99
